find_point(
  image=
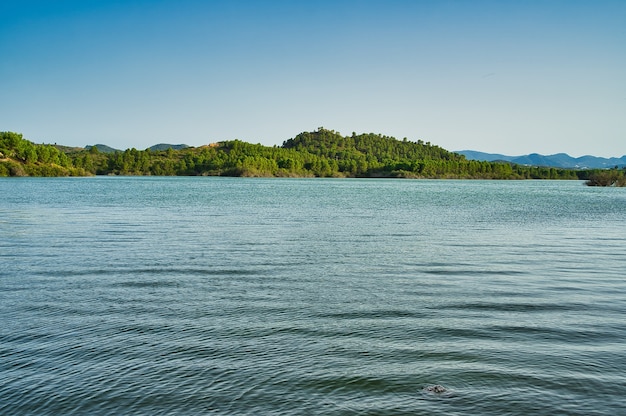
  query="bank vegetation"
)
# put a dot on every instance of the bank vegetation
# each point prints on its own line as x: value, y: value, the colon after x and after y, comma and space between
x: 321, y: 153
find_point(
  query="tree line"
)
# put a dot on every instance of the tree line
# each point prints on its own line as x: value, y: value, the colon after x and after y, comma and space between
x: 21, y: 157
x: 321, y: 153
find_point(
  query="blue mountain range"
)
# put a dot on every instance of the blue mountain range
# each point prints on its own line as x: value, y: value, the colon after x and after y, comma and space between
x: 559, y: 160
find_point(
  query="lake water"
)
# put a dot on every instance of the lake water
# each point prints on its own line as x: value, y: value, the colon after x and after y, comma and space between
x: 189, y: 296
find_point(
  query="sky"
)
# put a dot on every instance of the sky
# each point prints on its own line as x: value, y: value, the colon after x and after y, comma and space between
x: 510, y: 77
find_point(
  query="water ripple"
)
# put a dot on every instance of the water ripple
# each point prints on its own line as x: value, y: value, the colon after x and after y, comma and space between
x: 311, y: 297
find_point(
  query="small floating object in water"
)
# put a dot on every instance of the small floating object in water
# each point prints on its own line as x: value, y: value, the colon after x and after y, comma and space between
x: 436, y: 389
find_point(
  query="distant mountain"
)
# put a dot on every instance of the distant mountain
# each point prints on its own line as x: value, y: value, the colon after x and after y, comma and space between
x: 165, y: 146
x: 103, y: 148
x: 559, y: 160
x: 489, y: 157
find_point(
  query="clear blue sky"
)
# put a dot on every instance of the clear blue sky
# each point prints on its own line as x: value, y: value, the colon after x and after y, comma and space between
x: 510, y: 77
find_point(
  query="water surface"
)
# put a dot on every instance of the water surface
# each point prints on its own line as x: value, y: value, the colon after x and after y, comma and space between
x: 311, y: 296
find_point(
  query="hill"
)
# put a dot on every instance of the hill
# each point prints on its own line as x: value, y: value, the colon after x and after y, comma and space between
x: 21, y: 157
x: 559, y: 160
x: 320, y: 153
x: 165, y: 146
x: 103, y: 148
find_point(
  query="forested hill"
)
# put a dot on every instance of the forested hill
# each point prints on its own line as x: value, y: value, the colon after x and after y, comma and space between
x: 20, y: 157
x: 330, y: 144
x: 321, y: 153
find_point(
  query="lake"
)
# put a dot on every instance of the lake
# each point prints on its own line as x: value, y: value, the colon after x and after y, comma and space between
x: 188, y: 296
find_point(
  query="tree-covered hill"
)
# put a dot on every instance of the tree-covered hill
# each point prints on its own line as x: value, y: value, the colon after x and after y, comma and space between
x: 21, y: 157
x: 165, y: 146
x: 374, y: 154
x: 103, y: 148
x: 377, y: 147
x: 321, y: 153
